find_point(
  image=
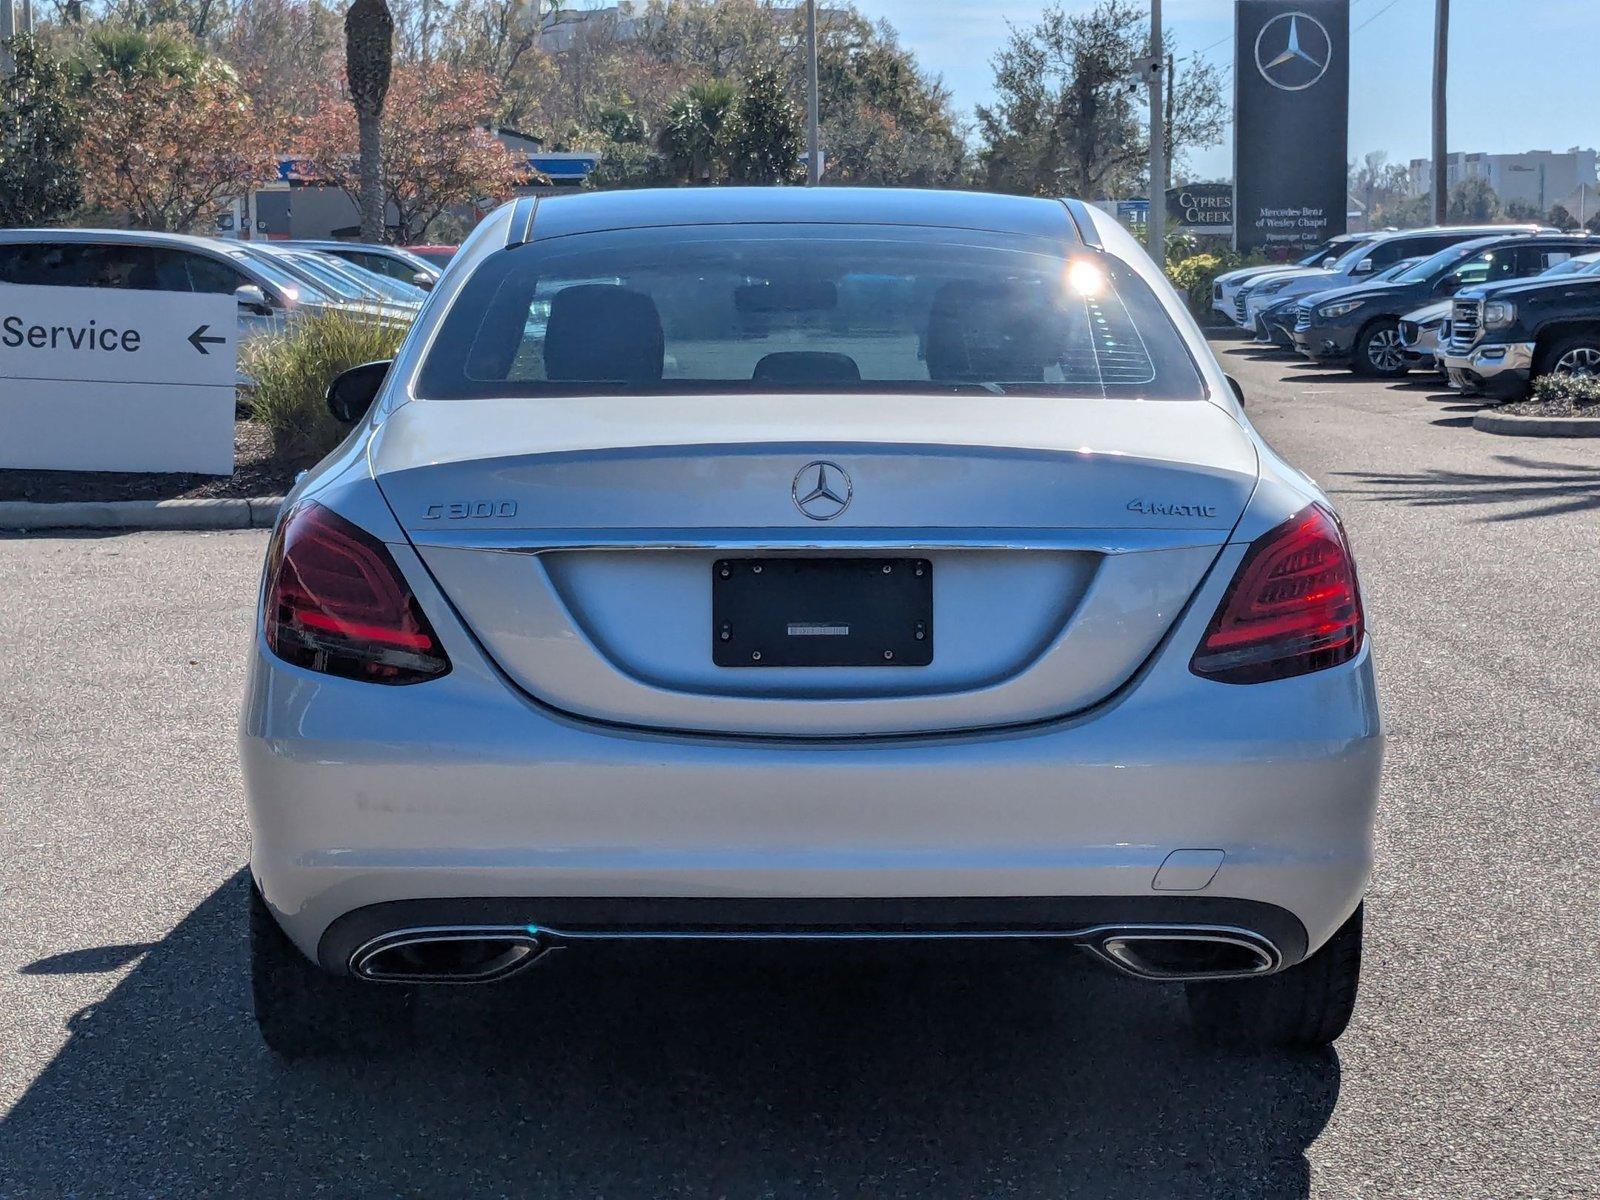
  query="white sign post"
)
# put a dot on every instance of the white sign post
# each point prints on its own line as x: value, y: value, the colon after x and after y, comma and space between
x: 107, y: 379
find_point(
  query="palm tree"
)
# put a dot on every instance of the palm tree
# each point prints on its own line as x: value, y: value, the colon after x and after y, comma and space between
x: 368, y: 57
x: 698, y: 128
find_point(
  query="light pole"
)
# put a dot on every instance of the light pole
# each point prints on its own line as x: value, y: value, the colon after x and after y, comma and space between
x: 8, y: 30
x: 813, y: 136
x: 1156, y: 217
x: 1441, y: 69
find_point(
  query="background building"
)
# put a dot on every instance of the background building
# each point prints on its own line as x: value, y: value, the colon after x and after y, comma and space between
x: 1541, y: 178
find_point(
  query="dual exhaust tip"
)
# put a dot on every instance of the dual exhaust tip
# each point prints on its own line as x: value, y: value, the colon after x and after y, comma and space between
x: 483, y: 954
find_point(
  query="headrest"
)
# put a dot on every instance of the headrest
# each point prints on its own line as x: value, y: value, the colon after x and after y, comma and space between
x: 990, y: 332
x: 602, y: 333
x: 806, y: 366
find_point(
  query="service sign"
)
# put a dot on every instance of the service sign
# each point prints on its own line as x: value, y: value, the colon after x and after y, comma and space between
x: 108, y: 379
x: 1291, y: 123
x: 1201, y: 208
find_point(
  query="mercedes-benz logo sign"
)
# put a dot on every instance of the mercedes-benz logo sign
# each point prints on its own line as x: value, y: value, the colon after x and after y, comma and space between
x: 821, y: 490
x: 1293, y: 51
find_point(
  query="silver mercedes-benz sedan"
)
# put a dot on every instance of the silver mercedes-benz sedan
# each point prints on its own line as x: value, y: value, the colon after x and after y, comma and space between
x: 807, y: 564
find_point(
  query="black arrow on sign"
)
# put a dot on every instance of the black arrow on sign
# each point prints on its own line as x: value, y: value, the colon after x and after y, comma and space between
x: 199, y: 341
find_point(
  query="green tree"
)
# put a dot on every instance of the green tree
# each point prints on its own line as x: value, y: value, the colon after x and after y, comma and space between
x: 39, y: 177
x: 1562, y: 219
x: 766, y: 141
x: 884, y: 120
x: 1521, y: 210
x: 131, y: 50
x: 1067, y: 117
x: 1472, y: 201
x: 698, y: 129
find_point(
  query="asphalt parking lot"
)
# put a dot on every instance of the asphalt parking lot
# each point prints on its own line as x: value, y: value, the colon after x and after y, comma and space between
x: 129, y: 1063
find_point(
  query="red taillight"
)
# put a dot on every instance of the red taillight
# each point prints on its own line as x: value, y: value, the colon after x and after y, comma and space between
x: 1293, y: 607
x: 336, y: 602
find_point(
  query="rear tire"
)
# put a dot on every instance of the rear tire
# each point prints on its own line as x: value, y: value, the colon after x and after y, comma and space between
x: 1378, y: 352
x: 1306, y: 1006
x: 303, y: 1011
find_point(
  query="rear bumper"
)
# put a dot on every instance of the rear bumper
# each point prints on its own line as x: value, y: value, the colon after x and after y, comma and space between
x: 1323, y: 342
x: 360, y: 795
x: 1503, y: 371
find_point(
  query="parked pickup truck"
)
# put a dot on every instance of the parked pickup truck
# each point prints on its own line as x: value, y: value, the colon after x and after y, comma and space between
x: 1504, y: 336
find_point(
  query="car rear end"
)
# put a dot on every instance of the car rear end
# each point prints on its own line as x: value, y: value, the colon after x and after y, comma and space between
x: 845, y: 579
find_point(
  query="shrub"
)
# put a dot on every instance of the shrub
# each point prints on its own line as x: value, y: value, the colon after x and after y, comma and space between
x: 1194, y: 275
x: 293, y: 368
x: 1573, y: 391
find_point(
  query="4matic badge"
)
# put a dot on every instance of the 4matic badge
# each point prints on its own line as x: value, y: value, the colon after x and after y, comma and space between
x: 1159, y: 508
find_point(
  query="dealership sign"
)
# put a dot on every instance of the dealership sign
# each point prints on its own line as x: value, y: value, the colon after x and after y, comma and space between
x: 1291, y: 122
x: 105, y: 379
x: 1201, y: 208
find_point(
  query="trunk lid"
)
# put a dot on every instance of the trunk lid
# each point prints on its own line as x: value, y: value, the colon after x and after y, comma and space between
x: 578, y: 538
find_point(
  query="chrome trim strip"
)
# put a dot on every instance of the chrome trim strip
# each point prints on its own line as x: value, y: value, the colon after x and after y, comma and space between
x: 540, y: 541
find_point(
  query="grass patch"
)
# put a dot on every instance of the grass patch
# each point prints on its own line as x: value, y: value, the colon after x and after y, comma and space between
x: 292, y: 370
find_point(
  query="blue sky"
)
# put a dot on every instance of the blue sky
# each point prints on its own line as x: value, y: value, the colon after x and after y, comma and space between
x: 1522, y: 72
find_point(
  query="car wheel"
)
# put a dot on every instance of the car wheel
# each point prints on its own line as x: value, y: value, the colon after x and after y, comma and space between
x: 303, y: 1011
x: 1577, y: 356
x: 1307, y: 1005
x: 1379, y: 351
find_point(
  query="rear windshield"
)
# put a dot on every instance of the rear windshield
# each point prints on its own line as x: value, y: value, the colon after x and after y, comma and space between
x: 760, y: 308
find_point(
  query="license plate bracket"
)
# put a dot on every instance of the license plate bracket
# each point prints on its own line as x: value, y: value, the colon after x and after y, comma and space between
x: 822, y: 612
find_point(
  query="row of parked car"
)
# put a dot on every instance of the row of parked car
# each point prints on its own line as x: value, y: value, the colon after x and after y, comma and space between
x: 271, y: 281
x: 1490, y: 307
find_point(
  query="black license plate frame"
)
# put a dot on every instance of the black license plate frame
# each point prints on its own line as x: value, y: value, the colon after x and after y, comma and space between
x: 780, y: 611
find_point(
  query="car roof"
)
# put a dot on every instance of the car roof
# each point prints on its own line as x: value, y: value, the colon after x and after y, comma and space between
x: 560, y: 216
x: 124, y: 237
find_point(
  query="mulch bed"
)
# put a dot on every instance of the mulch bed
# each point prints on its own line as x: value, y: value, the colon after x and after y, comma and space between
x: 1548, y: 408
x: 255, y: 473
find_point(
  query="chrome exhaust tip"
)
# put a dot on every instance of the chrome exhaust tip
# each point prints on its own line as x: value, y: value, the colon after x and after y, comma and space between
x: 448, y: 954
x: 1188, y: 954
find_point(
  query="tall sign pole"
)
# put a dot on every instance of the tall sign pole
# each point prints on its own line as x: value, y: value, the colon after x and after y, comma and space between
x: 1441, y: 71
x: 813, y: 136
x: 1156, y: 221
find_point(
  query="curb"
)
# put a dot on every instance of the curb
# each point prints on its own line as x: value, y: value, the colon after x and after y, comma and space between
x: 257, y: 512
x: 1511, y: 426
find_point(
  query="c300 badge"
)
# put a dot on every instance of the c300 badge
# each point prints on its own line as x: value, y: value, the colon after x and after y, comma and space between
x: 471, y: 510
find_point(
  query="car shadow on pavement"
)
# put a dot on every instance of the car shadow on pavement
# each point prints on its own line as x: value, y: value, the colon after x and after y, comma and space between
x: 958, y: 1072
x: 1536, y: 487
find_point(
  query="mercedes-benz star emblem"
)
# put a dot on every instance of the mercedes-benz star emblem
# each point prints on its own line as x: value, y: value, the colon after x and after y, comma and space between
x: 1293, y: 51
x: 821, y: 490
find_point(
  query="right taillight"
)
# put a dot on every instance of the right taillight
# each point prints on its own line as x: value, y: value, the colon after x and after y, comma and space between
x: 336, y: 602
x: 1293, y: 607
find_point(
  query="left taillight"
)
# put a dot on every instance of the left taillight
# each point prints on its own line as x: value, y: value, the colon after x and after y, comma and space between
x: 337, y: 603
